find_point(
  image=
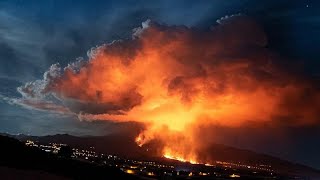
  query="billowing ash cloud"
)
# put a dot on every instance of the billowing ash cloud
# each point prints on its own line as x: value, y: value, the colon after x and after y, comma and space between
x: 173, y: 78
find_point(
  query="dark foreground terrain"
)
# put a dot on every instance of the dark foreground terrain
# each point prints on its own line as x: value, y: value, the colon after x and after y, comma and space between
x: 124, y: 146
x: 18, y: 161
x: 21, y: 161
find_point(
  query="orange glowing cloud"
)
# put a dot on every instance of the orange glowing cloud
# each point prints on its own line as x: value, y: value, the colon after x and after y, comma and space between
x: 171, y: 78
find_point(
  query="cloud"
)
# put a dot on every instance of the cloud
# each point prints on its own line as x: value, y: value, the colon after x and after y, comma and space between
x: 40, y: 105
x: 229, y: 62
x: 173, y: 79
x: 227, y: 18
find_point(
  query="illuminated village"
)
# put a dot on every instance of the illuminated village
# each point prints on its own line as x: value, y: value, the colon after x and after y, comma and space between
x: 168, y: 167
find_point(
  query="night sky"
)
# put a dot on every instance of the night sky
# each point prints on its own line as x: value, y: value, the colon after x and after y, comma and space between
x: 36, y: 34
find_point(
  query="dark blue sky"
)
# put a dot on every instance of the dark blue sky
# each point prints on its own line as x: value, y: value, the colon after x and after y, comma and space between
x: 35, y: 34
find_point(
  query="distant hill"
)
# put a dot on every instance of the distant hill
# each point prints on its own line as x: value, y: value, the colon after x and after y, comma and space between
x: 118, y: 144
x: 123, y: 145
x: 230, y: 154
x: 18, y: 161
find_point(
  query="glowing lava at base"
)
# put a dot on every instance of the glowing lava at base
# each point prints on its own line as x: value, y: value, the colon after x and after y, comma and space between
x: 178, y: 158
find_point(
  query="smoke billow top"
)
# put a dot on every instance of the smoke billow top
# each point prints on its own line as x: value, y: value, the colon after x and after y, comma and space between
x: 174, y: 78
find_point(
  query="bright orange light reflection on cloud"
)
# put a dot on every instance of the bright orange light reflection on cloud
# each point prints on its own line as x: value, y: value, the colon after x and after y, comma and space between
x: 172, y: 79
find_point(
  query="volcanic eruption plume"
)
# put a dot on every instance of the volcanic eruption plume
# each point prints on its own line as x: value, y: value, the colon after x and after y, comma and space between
x: 174, y: 78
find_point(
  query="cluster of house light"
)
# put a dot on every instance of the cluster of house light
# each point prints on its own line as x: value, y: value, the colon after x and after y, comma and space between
x: 141, y: 166
x: 52, y: 147
x: 261, y: 167
x: 84, y: 153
